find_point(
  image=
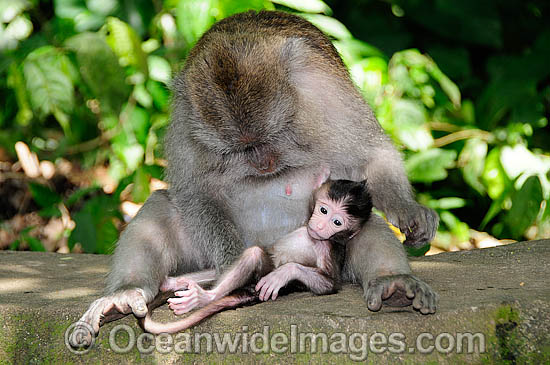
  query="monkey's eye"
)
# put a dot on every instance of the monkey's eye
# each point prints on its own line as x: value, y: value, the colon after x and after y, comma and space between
x: 323, y: 210
x: 337, y: 222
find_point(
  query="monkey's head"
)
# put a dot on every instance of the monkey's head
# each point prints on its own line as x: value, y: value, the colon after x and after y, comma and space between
x: 244, y: 106
x: 341, y: 208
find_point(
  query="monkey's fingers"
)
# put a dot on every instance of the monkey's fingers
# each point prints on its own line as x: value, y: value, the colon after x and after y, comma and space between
x: 137, y: 303
x: 260, y: 284
x: 374, y: 295
x: 275, y: 293
x: 263, y: 291
x: 425, y: 300
x: 420, y: 226
x: 183, y: 304
x: 269, y: 292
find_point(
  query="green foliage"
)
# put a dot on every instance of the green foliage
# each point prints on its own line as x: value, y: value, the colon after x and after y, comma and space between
x: 89, y: 80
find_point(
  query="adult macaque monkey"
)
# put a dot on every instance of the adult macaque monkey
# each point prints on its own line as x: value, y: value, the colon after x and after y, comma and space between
x: 263, y: 104
x: 313, y: 255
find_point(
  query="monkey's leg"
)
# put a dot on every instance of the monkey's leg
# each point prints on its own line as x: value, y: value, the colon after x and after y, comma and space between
x: 148, y: 250
x: 314, y: 278
x: 203, y: 278
x: 377, y: 260
x: 253, y: 263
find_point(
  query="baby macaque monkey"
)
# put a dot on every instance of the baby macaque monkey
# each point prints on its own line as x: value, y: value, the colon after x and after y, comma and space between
x: 312, y: 254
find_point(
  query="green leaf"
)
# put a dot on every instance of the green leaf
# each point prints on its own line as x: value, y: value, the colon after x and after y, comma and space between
x: 430, y: 165
x: 494, y: 177
x: 126, y: 44
x: 449, y: 87
x: 142, y: 96
x: 409, y: 119
x: 194, y: 17
x: 84, y: 231
x: 526, y: 205
x: 17, y: 82
x: 15, y: 244
x: 51, y: 211
x: 140, y: 123
x: 95, y: 229
x: 34, y: 243
x: 306, y: 6
x: 49, y: 86
x: 160, y: 94
x: 420, y: 251
x: 494, y: 209
x: 140, y: 191
x: 354, y: 50
x: 100, y: 70
x: 43, y: 196
x: 79, y: 194
x: 131, y: 153
x: 459, y: 229
x: 472, y: 160
x: 447, y: 203
x: 228, y: 8
x: 69, y: 8
x: 329, y: 26
x: 159, y: 69
x: 519, y: 160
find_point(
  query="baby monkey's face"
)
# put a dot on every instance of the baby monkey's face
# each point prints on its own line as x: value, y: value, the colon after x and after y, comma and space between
x: 328, y: 218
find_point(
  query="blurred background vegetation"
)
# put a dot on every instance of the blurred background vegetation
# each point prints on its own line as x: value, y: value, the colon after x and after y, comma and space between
x: 462, y: 87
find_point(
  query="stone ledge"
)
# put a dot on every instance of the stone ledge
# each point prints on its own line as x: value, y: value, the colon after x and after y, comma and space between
x: 501, y: 292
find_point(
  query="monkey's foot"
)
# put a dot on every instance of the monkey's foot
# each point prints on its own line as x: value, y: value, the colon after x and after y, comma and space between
x: 105, y: 310
x: 193, y: 297
x: 173, y: 283
x: 401, y: 290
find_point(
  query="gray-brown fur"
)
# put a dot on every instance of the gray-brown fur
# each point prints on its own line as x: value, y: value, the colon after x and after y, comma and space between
x: 264, y: 99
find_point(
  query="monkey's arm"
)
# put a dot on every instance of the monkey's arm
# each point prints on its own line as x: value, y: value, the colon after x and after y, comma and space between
x: 317, y: 280
x: 392, y: 193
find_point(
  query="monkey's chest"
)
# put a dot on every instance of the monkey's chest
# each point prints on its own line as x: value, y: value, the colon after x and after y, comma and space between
x: 266, y: 212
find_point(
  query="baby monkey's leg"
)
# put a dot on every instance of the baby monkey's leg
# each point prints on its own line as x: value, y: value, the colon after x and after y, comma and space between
x: 252, y: 265
x: 173, y: 283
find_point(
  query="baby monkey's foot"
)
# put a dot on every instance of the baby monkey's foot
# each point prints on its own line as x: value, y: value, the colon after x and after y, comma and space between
x: 193, y: 297
x: 173, y: 283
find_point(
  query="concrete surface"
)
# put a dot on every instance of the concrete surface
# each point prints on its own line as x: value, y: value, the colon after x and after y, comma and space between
x: 500, y: 296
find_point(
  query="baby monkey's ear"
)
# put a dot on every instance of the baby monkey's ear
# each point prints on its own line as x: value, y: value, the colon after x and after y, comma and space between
x: 322, y: 178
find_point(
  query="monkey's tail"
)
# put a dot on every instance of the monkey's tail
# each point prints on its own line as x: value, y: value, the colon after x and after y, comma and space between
x: 234, y: 300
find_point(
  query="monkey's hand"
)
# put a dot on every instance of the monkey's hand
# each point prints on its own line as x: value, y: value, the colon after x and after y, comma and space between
x: 400, y: 291
x: 193, y: 297
x: 417, y: 222
x: 269, y: 285
x: 105, y: 310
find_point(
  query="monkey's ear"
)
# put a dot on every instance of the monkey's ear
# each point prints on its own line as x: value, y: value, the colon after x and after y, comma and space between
x: 322, y: 178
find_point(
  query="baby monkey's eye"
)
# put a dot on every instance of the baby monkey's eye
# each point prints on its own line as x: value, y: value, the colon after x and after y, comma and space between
x: 337, y: 222
x: 324, y: 210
